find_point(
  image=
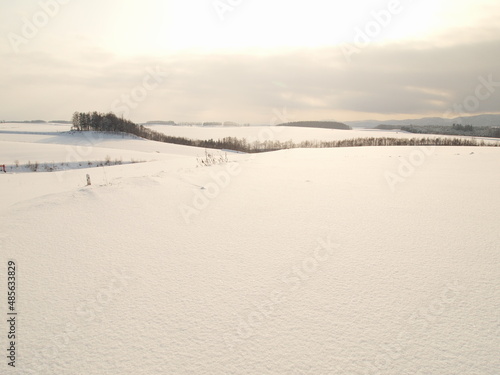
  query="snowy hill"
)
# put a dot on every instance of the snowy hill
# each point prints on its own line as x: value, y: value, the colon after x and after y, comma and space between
x: 379, y: 260
x: 286, y: 133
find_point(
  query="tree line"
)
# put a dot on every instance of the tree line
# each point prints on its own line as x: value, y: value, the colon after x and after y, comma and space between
x: 455, y: 129
x: 109, y: 122
x: 105, y: 122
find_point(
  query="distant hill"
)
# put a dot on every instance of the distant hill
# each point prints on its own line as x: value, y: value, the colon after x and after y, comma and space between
x: 26, y: 122
x: 160, y: 123
x: 60, y: 122
x: 318, y: 124
x: 478, y: 120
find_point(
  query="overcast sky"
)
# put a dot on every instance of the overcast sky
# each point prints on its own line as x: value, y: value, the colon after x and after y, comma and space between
x: 249, y: 60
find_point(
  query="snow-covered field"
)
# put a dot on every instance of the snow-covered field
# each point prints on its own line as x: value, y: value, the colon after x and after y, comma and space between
x: 380, y: 260
x: 286, y: 133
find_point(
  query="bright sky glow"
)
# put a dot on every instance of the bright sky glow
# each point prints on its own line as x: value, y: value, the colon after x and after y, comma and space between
x: 225, y: 57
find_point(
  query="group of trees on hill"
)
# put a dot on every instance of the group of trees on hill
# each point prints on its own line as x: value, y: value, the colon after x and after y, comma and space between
x: 106, y: 122
x: 109, y: 122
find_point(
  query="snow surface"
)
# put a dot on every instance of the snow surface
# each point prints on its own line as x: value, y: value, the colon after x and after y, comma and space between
x: 381, y: 260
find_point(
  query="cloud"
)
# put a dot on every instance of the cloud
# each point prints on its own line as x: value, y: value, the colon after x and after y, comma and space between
x: 314, y: 83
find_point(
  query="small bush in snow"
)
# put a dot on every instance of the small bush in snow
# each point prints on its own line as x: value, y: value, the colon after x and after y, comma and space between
x: 212, y: 159
x: 33, y: 167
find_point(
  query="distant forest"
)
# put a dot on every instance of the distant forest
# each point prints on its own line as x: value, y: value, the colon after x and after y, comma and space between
x: 37, y: 122
x: 109, y: 122
x: 455, y: 129
x: 318, y: 124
